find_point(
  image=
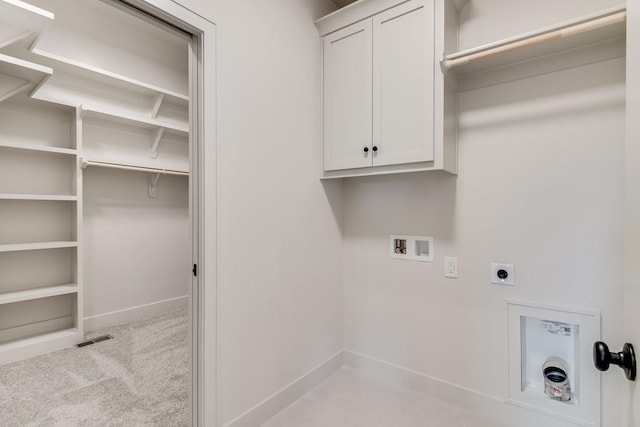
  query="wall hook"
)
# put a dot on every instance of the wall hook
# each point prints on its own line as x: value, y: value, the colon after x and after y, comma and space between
x: 626, y: 359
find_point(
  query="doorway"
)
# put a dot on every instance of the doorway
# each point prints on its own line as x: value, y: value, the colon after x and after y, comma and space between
x: 102, y: 167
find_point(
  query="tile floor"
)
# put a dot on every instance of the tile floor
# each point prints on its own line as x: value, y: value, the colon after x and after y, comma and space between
x: 350, y: 399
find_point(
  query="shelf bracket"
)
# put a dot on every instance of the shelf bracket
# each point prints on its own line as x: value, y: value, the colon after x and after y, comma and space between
x: 153, y: 151
x: 157, y: 102
x: 153, y: 185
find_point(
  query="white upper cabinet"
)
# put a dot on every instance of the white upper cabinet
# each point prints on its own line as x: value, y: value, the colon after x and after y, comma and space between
x: 403, y: 60
x: 347, y: 100
x: 385, y: 97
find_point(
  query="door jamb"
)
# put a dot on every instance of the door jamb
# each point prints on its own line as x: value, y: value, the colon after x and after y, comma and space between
x: 202, y: 198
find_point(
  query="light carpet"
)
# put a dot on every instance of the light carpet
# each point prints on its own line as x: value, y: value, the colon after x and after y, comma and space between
x: 139, y: 378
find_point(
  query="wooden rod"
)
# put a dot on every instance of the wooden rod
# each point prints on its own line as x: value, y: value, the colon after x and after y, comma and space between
x: 540, y: 38
x: 135, y: 168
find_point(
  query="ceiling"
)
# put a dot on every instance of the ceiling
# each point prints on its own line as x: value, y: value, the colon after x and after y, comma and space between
x: 343, y: 3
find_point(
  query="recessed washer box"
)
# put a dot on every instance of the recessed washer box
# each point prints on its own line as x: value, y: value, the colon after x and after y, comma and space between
x: 414, y: 248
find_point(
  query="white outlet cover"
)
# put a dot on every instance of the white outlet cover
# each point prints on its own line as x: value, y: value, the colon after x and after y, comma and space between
x: 451, y: 267
x: 509, y: 280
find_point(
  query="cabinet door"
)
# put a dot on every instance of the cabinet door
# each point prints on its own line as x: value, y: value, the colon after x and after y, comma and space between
x: 347, y: 97
x: 403, y: 77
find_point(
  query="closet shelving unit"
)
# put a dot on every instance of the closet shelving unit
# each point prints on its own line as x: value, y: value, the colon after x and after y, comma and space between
x: 102, y: 106
x: 38, y: 314
x: 603, y: 30
x: 130, y: 95
x: 20, y: 21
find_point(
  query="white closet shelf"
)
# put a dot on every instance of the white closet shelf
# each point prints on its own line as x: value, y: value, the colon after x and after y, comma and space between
x: 135, y: 168
x: 10, y: 86
x: 595, y: 28
x: 24, y: 15
x: 132, y: 119
x: 43, y: 197
x: 61, y: 44
x: 17, y: 75
x: 105, y: 77
x: 37, y: 293
x: 40, y: 148
x: 113, y: 97
x: 19, y: 247
x: 25, y: 70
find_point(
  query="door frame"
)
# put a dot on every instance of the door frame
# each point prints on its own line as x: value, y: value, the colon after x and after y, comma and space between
x: 202, y: 197
x: 630, y: 405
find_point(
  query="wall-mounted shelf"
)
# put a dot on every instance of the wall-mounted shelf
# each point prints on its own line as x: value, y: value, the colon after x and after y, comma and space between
x: 41, y: 197
x: 18, y: 247
x: 77, y: 86
x: 25, y: 70
x: 19, y: 20
x: 23, y: 16
x: 571, y: 36
x: 39, y: 148
x: 135, y: 120
x: 17, y: 75
x: 37, y: 293
x: 62, y: 45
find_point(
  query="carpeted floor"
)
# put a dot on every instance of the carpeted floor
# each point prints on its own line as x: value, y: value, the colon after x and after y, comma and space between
x: 139, y: 378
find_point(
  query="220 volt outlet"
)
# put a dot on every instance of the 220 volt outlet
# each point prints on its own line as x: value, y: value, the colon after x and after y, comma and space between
x: 502, y: 274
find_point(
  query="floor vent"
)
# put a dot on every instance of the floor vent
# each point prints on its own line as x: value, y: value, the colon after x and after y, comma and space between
x: 94, y: 340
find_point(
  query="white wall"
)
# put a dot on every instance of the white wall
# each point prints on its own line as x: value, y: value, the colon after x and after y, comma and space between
x: 147, y: 239
x: 540, y: 187
x: 279, y: 242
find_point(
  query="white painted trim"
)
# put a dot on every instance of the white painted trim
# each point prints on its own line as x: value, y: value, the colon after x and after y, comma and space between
x: 480, y: 403
x: 284, y: 397
x: 106, y: 320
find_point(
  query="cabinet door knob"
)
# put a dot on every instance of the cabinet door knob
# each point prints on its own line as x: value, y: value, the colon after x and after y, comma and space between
x: 366, y: 149
x: 375, y: 148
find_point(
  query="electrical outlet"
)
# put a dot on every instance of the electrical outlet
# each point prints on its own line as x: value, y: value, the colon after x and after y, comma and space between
x: 451, y: 267
x: 502, y: 274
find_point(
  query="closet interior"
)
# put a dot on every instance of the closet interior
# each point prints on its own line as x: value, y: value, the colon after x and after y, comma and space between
x: 94, y: 171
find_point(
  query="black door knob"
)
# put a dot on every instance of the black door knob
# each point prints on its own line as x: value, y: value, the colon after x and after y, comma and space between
x: 375, y: 148
x: 626, y: 359
x: 366, y: 149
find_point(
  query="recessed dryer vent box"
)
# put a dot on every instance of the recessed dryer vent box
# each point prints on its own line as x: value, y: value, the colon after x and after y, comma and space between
x: 559, y: 340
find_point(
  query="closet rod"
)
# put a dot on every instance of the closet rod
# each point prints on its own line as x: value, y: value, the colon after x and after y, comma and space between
x: 533, y: 39
x: 86, y: 163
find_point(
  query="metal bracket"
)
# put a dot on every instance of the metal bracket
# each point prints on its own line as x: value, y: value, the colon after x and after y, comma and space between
x: 153, y: 185
x: 153, y: 151
x: 156, y: 105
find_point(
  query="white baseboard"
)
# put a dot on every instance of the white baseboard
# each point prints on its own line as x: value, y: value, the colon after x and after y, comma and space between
x: 279, y: 400
x: 489, y: 406
x: 113, y: 318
